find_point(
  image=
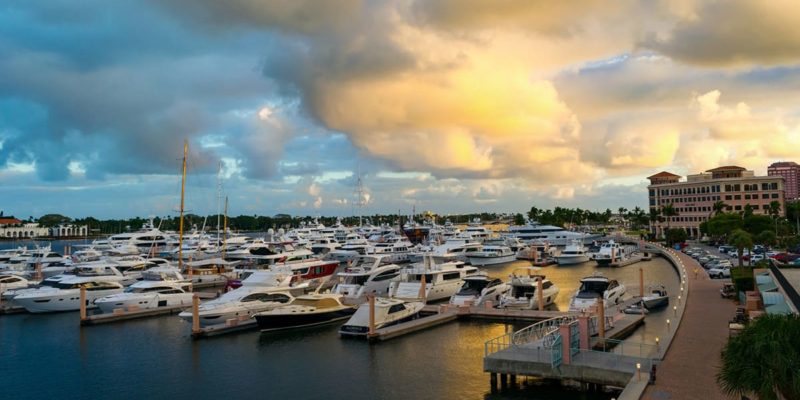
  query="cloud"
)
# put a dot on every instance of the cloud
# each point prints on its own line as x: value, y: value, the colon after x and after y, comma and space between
x: 737, y: 33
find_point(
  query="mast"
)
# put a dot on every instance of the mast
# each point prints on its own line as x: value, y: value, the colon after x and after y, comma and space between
x: 183, y: 190
x: 219, y: 195
x: 358, y: 195
x: 225, y: 235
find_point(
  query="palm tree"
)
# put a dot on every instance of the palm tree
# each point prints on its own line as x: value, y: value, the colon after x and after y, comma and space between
x: 719, y: 207
x: 762, y: 359
x: 669, y: 211
x: 741, y: 240
x: 748, y: 210
x: 654, y: 216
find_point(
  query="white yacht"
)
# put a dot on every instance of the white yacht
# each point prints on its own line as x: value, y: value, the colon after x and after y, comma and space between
x: 211, y: 272
x: 478, y: 289
x: 538, y: 251
x: 612, y: 252
x: 387, y: 312
x: 477, y: 231
x: 323, y: 245
x: 656, y: 297
x: 261, y: 291
x: 574, y: 253
x: 456, y: 249
x: 366, y: 275
x: 523, y: 295
x: 10, y: 283
x: 594, y: 287
x: 145, y: 239
x: 351, y: 249
x: 396, y: 249
x: 66, y: 294
x: 159, y: 287
x: 441, y: 280
x: 492, y: 255
x: 555, y: 235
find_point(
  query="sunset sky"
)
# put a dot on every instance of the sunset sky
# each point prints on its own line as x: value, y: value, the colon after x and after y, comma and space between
x: 449, y: 105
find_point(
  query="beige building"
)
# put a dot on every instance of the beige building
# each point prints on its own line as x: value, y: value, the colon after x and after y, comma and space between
x: 693, y: 199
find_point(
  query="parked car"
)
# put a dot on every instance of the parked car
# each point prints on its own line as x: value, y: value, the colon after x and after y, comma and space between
x: 718, y: 264
x: 756, y: 258
x: 786, y: 257
x: 795, y: 262
x: 720, y: 272
x: 771, y: 253
x: 726, y: 248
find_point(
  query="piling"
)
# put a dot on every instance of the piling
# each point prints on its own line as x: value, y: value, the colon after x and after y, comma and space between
x: 641, y: 282
x: 422, y: 288
x: 539, y: 291
x: 39, y: 276
x: 195, y: 313
x: 371, y: 314
x: 83, y: 303
x: 601, y: 324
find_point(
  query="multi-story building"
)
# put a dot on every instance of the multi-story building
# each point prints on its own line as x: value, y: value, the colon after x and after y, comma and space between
x: 790, y: 171
x: 11, y: 227
x: 693, y: 199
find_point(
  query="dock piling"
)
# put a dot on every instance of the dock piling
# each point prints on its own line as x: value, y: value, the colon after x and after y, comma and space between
x: 641, y: 282
x: 540, y: 294
x: 601, y: 324
x: 83, y: 303
x: 371, y: 315
x: 195, y: 313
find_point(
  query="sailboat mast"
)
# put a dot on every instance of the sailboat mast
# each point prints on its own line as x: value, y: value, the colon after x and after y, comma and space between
x: 225, y: 234
x: 183, y: 190
x: 219, y: 196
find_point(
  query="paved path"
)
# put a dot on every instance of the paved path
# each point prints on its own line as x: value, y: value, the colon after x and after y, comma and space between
x: 690, y: 367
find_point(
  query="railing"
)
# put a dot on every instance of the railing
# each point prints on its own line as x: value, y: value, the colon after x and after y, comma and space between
x: 615, y: 361
x: 629, y: 349
x: 540, y: 331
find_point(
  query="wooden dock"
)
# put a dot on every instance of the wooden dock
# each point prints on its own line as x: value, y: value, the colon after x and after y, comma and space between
x: 629, y: 261
x: 228, y: 327
x: 414, y: 325
x: 120, y: 315
x: 8, y: 309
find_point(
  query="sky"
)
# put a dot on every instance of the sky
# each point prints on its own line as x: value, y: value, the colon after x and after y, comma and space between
x: 451, y: 106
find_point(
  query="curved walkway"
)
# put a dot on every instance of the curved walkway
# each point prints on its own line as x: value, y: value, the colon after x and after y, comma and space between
x: 690, y: 367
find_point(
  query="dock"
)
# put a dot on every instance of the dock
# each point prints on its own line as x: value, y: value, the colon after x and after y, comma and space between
x: 631, y: 260
x: 9, y: 309
x: 121, y: 314
x: 414, y: 325
x: 230, y: 326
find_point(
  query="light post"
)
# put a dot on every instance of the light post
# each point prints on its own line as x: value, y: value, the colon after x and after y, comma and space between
x: 638, y: 372
x: 658, y: 345
x: 675, y: 310
x: 668, y: 328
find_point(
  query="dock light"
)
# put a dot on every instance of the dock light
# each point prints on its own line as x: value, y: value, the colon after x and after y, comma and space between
x: 667, y: 324
x: 638, y: 372
x: 679, y: 299
x: 675, y: 309
x: 657, y: 343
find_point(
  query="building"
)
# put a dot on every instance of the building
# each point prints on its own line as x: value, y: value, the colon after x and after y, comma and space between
x: 778, y: 289
x: 693, y: 199
x: 69, y: 230
x: 13, y: 228
x: 790, y: 171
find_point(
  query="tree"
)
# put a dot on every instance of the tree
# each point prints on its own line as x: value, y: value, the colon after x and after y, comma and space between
x: 774, y: 208
x: 762, y: 359
x: 676, y: 236
x: 669, y: 211
x: 534, y: 214
x: 741, y: 240
x: 51, y: 220
x: 766, y: 238
x: 519, y: 219
x: 719, y: 207
x: 748, y: 210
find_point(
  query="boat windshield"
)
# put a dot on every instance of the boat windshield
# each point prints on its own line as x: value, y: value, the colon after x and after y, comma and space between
x: 356, y: 279
x: 472, y: 287
x: 590, y: 289
x: 523, y: 291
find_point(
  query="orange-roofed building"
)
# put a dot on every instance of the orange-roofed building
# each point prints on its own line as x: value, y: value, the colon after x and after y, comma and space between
x: 694, y: 197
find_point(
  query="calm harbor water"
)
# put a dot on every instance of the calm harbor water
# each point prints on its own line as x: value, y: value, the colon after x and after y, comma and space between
x: 43, y: 356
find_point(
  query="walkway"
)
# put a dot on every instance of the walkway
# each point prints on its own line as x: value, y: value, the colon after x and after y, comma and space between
x: 690, y: 367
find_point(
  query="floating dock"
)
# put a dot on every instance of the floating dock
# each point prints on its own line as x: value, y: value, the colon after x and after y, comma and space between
x: 9, y: 309
x: 121, y: 314
x: 632, y: 260
x: 233, y: 325
x: 413, y: 325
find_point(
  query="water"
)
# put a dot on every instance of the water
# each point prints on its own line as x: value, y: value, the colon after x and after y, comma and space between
x: 43, y: 356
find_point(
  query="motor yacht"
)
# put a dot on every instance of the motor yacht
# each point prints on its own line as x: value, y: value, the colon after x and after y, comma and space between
x: 492, y: 255
x: 147, y: 239
x: 612, y: 252
x: 211, y: 272
x: 555, y: 235
x: 477, y: 232
x: 159, y: 287
x: 394, y: 248
x: 656, y: 297
x: 366, y: 275
x: 478, y: 289
x: 304, y: 311
x: 388, y: 311
x: 322, y: 245
x: 442, y: 280
x: 10, y: 283
x: 260, y: 291
x: 66, y: 294
x: 596, y: 287
x: 455, y: 249
x: 524, y: 284
x: 538, y: 251
x: 350, y: 250
x: 575, y: 253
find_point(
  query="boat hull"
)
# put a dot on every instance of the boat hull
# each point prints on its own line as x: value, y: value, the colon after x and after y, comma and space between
x: 657, y: 302
x: 484, y: 261
x: 572, y: 260
x: 151, y: 302
x: 273, y: 322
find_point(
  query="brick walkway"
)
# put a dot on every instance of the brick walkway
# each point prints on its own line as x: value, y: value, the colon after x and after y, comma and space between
x: 690, y: 367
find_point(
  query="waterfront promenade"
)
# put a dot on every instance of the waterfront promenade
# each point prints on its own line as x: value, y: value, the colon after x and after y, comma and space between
x: 690, y: 367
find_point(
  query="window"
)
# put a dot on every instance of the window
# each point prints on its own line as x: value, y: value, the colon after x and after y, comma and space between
x: 773, y: 186
x: 738, y: 208
x: 728, y: 188
x: 747, y: 197
x: 397, y: 308
x: 765, y: 196
x: 451, y: 276
x: 737, y: 188
x: 385, y: 275
x: 774, y: 195
x: 765, y: 186
x: 728, y: 197
x: 737, y: 197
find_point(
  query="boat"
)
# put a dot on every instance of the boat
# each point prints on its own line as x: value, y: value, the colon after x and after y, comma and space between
x: 523, y: 293
x: 304, y: 311
x: 612, y: 253
x: 574, y: 253
x: 388, y: 311
x: 656, y: 297
x: 442, y: 280
x: 635, y: 308
x: 593, y: 288
x: 66, y: 294
x: 416, y: 232
x: 492, y: 255
x: 454, y: 249
x: 366, y: 275
x: 211, y: 272
x: 555, y: 235
x: 159, y: 287
x: 479, y: 289
x: 148, y: 239
x: 10, y: 283
x: 396, y: 249
x: 351, y: 249
x: 322, y: 245
x: 477, y: 232
x: 260, y: 291
x: 539, y: 252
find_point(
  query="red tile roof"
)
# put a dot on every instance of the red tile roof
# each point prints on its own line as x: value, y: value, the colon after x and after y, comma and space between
x: 9, y: 221
x: 727, y: 168
x: 663, y: 174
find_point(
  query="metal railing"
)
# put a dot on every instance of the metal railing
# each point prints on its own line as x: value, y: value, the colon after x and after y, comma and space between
x: 628, y: 348
x: 541, y: 331
x: 616, y: 361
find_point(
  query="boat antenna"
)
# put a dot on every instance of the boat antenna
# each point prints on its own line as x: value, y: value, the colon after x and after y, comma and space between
x: 183, y: 190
